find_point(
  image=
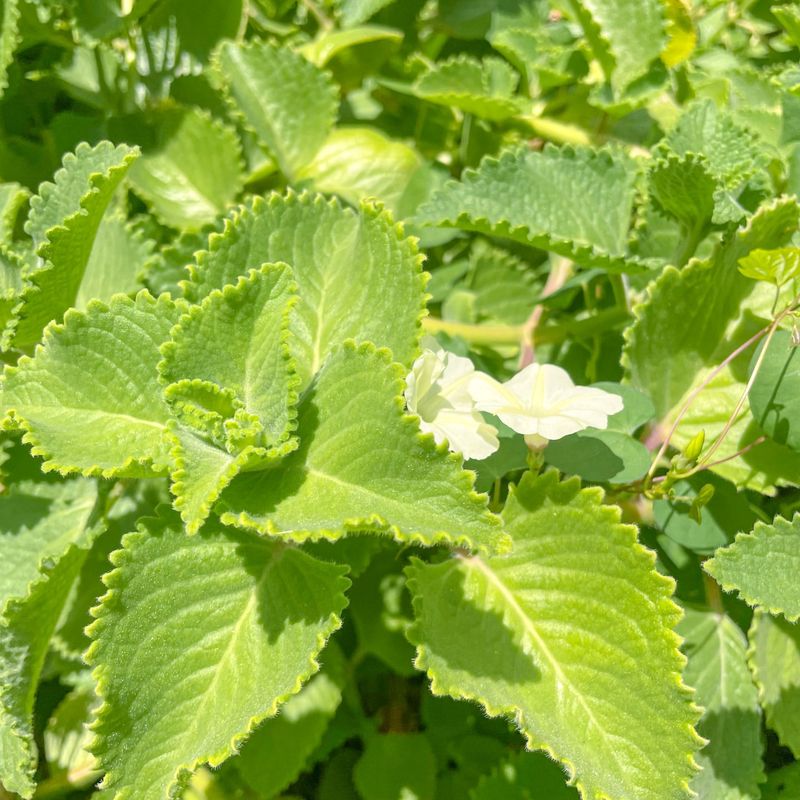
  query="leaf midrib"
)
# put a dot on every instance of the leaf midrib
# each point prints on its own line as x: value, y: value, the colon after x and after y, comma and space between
x: 475, y: 562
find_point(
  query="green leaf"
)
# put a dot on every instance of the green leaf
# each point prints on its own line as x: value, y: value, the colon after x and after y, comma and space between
x: 722, y: 517
x: 11, y: 286
x: 381, y: 613
x: 363, y: 465
x: 45, y: 535
x: 13, y: 197
x: 396, y: 766
x: 762, y: 566
x: 483, y: 88
x: 717, y: 669
x: 277, y: 751
x: 89, y: 400
x: 775, y: 394
x: 235, y: 342
x: 775, y: 662
x: 775, y: 266
x: 358, y: 163
x: 67, y: 736
x: 626, y: 36
x: 600, y: 456
x: 730, y: 154
x: 717, y: 309
x: 329, y: 43
x: 637, y: 407
x: 266, y: 611
x: 572, y: 634
x: 783, y: 783
x: 118, y: 257
x: 264, y: 83
x: 525, y: 776
x: 789, y: 18
x: 504, y: 287
x: 764, y: 467
x: 683, y: 188
x: 38, y: 523
x: 193, y: 169
x: 9, y: 37
x: 577, y: 203
x: 63, y: 223
x: 357, y: 275
x: 354, y: 12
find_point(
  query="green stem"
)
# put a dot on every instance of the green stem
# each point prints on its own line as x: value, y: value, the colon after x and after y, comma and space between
x: 687, y: 247
x: 322, y: 19
x: 512, y: 334
x: 561, y: 132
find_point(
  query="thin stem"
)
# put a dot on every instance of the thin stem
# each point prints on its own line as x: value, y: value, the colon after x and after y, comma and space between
x: 696, y: 391
x: 743, y: 398
x: 323, y: 20
x: 463, y: 145
x: 713, y: 594
x: 688, y: 244
x: 559, y: 272
x: 560, y: 132
x: 512, y: 334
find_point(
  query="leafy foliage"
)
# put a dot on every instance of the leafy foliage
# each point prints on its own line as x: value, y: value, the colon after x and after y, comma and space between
x: 267, y: 268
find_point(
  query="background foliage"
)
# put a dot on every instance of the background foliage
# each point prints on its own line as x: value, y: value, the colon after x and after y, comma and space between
x: 213, y: 223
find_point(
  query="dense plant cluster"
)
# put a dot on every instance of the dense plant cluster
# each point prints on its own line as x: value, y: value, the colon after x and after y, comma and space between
x: 400, y: 399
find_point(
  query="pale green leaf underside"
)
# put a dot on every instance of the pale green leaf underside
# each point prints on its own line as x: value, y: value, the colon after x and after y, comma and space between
x: 13, y: 197
x: 193, y: 171
x: 763, y: 567
x: 717, y: 670
x: 775, y: 663
x: 626, y: 36
x: 359, y: 163
x: 288, y: 102
x: 45, y: 537
x: 64, y: 221
x: 483, y: 88
x: 173, y: 700
x: 577, y: 203
x: 357, y: 275
x: 571, y: 634
x: 363, y: 465
x: 328, y: 44
x: 89, y: 399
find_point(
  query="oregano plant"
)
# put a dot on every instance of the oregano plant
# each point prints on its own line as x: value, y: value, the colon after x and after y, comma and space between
x: 399, y: 400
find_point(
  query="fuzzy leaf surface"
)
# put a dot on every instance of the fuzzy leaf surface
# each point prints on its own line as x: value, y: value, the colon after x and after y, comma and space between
x: 625, y: 35
x: 89, y: 399
x: 717, y: 670
x: 775, y: 664
x: 234, y: 340
x: 357, y: 275
x: 763, y: 566
x: 362, y: 464
x: 63, y: 223
x: 173, y: 700
x: 571, y: 634
x: 45, y: 535
x: 483, y: 88
x: 264, y: 83
x: 577, y: 203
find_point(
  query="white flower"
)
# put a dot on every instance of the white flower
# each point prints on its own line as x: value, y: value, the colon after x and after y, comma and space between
x: 543, y: 403
x: 438, y: 391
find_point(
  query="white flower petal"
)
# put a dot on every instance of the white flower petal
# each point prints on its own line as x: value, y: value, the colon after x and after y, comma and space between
x: 466, y: 433
x: 542, y: 400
